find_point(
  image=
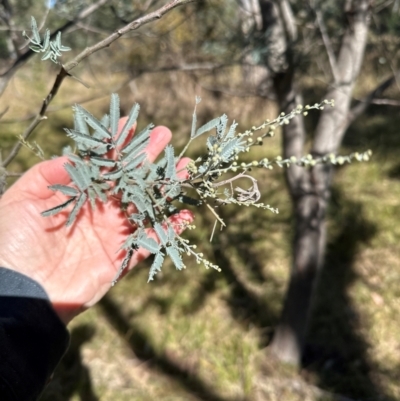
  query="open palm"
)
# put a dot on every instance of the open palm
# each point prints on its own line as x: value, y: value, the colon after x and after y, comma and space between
x: 75, y: 265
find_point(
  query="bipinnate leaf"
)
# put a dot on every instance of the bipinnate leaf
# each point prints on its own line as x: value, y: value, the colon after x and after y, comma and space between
x: 93, y: 122
x: 69, y: 191
x: 144, y: 135
x: 84, y: 139
x: 74, y: 212
x: 133, y: 115
x: 101, y: 162
x: 35, y: 32
x: 114, y: 114
x: 207, y: 127
x: 76, y: 176
x: 161, y: 233
x: 57, y: 209
x: 113, y: 175
x: 175, y: 257
x: 156, y: 266
x: 170, y: 171
x: 148, y: 243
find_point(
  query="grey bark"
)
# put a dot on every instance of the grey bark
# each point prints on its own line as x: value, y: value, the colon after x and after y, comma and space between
x: 309, y: 189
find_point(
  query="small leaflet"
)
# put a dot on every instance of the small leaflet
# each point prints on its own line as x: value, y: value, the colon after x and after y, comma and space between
x: 161, y: 233
x: 100, y: 129
x: 114, y: 114
x: 133, y: 115
x: 148, y: 244
x: 170, y: 171
x: 232, y: 130
x: 207, y: 127
x: 99, y: 192
x: 101, y: 162
x: 78, y: 205
x: 92, y: 198
x: 135, y: 162
x: 138, y: 139
x: 80, y: 123
x: 156, y: 266
x: 221, y: 127
x: 57, y: 209
x: 139, y: 149
x: 113, y: 175
x: 76, y: 177
x: 87, y: 140
x: 35, y: 32
x: 69, y: 191
x: 175, y: 257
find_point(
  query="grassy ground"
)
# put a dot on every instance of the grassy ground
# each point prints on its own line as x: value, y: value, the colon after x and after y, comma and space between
x: 203, y: 335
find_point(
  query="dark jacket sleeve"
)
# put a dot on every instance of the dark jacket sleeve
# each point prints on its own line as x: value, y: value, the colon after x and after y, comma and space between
x: 32, y: 337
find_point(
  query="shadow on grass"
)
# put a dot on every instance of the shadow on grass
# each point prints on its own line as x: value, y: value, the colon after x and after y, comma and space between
x: 72, y: 377
x: 336, y: 351
x: 172, y: 367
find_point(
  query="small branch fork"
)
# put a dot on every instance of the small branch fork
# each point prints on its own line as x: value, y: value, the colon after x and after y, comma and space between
x: 65, y: 69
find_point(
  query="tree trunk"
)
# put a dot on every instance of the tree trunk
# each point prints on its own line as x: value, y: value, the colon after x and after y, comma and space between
x: 310, y: 189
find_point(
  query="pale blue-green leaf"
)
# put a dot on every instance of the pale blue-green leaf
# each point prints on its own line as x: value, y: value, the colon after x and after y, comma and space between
x: 207, y: 127
x: 156, y: 266
x: 221, y: 127
x: 139, y: 149
x: 99, y: 192
x: 92, y: 197
x: 35, y: 32
x: 161, y: 233
x: 133, y: 115
x: 69, y: 191
x: 175, y: 257
x: 148, y: 243
x: 138, y: 139
x: 113, y: 175
x: 135, y: 162
x: 47, y: 55
x: 78, y: 205
x: 232, y: 130
x: 87, y: 140
x: 101, y: 131
x: 143, y: 204
x: 46, y: 39
x: 114, y: 114
x: 171, y: 234
x: 170, y: 171
x: 58, y: 208
x: 76, y: 177
x: 194, y: 124
x: 99, y: 161
x: 79, y: 122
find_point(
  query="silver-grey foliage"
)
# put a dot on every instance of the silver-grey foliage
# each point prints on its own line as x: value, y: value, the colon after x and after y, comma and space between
x: 51, y: 48
x: 155, y: 190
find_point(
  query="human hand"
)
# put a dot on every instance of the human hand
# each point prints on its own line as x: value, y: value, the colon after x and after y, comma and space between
x: 75, y: 265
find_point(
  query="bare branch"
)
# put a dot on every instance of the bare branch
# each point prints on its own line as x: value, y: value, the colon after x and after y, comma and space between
x: 357, y: 110
x: 83, y: 55
x: 127, y: 28
x: 327, y: 44
x: 39, y: 117
x: 6, y: 75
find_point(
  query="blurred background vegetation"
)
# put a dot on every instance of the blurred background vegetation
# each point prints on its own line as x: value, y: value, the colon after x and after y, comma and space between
x: 199, y: 334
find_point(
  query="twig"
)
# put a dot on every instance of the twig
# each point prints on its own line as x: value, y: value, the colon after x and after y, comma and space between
x: 357, y: 110
x: 83, y: 55
x: 127, y: 28
x: 39, y: 117
x: 5, y: 76
x: 327, y: 44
